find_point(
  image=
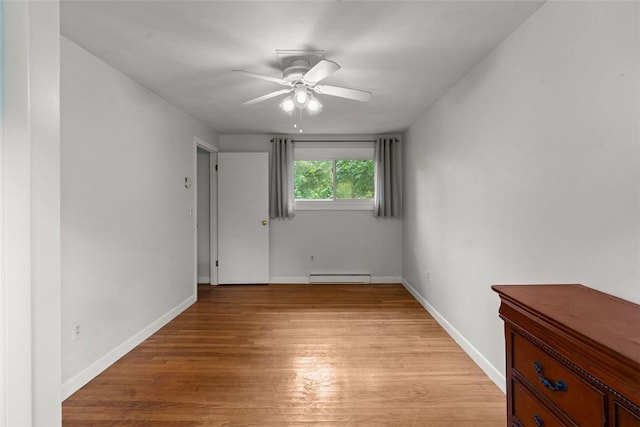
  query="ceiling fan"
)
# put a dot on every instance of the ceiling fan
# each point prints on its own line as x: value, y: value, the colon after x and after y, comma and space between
x: 302, y: 72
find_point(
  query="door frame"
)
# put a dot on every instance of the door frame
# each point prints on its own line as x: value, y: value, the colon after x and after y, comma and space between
x: 213, y: 202
x: 30, y: 278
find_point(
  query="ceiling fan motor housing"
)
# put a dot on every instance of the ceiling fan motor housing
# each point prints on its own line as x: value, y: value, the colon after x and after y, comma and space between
x: 296, y: 70
x: 295, y: 63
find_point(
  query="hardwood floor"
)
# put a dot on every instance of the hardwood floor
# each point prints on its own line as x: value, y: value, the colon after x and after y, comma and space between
x: 292, y: 355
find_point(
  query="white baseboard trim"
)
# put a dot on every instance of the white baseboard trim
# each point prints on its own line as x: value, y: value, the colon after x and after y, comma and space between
x: 289, y: 279
x: 494, y: 374
x: 319, y: 278
x: 204, y: 279
x: 76, y: 382
x: 386, y: 279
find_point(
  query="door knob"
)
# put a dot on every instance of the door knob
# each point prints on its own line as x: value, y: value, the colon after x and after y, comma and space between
x: 264, y: 222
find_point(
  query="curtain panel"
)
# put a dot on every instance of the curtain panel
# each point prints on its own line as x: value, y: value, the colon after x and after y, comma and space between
x: 388, y: 178
x: 281, y: 203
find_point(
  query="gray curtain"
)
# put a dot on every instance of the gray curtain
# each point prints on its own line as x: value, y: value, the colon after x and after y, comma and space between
x: 281, y: 185
x: 388, y: 194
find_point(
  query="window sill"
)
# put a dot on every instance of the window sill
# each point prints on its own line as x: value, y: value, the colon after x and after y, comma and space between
x: 334, y: 205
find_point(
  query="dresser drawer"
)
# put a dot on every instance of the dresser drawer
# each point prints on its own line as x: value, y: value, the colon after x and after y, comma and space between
x: 624, y: 417
x: 529, y: 411
x: 577, y: 399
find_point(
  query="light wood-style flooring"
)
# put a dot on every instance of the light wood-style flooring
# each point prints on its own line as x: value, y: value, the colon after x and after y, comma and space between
x: 293, y: 355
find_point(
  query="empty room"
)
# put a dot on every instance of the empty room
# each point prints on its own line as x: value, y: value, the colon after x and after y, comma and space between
x: 328, y: 213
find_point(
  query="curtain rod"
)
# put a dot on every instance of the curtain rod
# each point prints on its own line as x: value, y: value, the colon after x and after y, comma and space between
x: 335, y: 140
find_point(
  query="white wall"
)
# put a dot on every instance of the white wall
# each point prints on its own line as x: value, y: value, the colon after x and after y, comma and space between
x: 340, y: 241
x: 528, y: 170
x: 128, y: 249
x: 204, y: 217
x: 30, y: 215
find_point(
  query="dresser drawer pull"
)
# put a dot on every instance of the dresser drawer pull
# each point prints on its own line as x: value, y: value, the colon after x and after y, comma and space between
x: 538, y: 419
x: 557, y: 386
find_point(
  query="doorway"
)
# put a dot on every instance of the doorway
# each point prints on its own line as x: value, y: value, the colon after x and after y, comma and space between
x: 206, y: 209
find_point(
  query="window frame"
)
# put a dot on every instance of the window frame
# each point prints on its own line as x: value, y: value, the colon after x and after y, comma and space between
x: 333, y: 154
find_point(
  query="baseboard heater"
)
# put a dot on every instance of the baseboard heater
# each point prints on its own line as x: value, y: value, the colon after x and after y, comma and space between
x: 340, y: 278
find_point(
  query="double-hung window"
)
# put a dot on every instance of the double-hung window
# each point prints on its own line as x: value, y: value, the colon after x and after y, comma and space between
x: 334, y: 177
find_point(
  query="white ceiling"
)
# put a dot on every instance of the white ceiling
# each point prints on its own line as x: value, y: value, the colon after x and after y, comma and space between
x: 407, y: 53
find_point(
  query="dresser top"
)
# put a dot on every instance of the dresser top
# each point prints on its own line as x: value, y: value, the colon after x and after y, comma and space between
x: 594, y: 315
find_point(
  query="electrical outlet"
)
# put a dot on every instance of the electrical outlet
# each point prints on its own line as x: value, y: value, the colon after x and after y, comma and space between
x: 75, y: 330
x: 311, y: 258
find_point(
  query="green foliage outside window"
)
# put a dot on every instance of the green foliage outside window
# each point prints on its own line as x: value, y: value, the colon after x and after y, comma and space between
x: 354, y: 179
x: 313, y: 179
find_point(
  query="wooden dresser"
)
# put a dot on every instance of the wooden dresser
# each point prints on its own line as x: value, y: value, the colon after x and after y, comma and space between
x: 572, y: 356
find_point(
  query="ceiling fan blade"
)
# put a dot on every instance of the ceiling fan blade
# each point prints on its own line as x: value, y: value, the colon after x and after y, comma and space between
x: 343, y: 92
x: 262, y: 77
x: 320, y: 71
x: 267, y: 96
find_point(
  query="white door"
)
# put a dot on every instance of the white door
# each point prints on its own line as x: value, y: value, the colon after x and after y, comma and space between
x: 243, y: 214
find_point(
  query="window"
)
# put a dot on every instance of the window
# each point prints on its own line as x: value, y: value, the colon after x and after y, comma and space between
x: 334, y: 178
x: 316, y: 180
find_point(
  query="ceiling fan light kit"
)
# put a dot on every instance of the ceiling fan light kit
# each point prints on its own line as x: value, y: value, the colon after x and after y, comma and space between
x: 301, y: 73
x: 300, y: 96
x: 314, y: 106
x: 287, y: 105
